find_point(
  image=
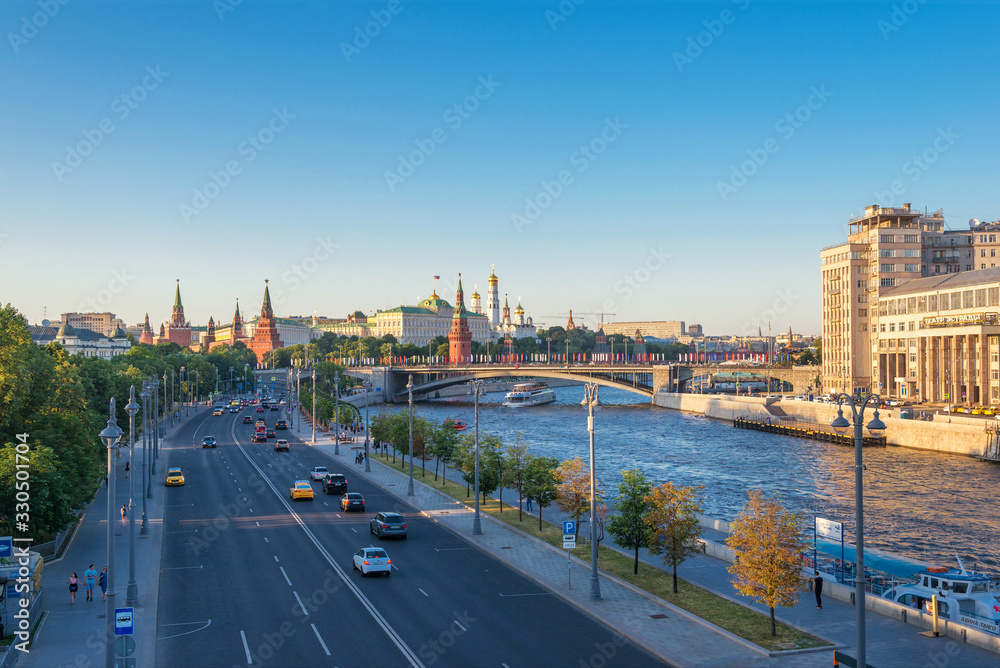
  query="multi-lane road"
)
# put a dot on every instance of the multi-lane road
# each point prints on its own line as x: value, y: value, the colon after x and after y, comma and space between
x: 250, y: 577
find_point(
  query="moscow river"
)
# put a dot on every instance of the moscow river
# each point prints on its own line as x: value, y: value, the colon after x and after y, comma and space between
x: 918, y: 504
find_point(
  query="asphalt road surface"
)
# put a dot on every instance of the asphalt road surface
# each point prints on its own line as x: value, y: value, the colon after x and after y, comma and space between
x: 250, y: 577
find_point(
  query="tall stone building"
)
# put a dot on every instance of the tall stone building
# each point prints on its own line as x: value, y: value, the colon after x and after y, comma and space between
x: 265, y: 334
x: 459, y: 338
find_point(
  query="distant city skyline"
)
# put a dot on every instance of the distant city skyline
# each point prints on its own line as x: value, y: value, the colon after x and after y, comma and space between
x: 658, y: 161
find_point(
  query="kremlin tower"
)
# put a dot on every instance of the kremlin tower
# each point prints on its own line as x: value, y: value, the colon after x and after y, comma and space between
x: 238, y: 323
x: 147, y: 333
x: 460, y: 338
x: 476, y: 303
x: 265, y: 335
x: 179, y: 329
x: 493, y: 300
x: 569, y: 324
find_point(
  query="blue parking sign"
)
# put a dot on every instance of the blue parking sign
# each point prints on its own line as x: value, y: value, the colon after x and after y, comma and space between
x: 569, y: 526
x: 6, y: 547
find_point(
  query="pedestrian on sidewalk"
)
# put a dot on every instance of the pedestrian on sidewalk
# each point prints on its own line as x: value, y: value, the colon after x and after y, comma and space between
x: 529, y: 503
x: 818, y: 590
x: 73, y: 585
x: 126, y: 469
x: 124, y: 514
x: 104, y: 583
x: 90, y: 579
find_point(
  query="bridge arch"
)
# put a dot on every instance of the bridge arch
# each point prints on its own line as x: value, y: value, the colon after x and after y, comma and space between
x: 581, y: 375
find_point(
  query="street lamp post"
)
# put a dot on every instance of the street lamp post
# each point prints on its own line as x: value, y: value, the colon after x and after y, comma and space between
x: 591, y: 401
x: 336, y: 433
x: 876, y: 427
x: 477, y: 389
x: 367, y: 385
x: 298, y: 396
x: 409, y: 389
x: 132, y: 593
x: 181, y: 394
x: 146, y: 438
x: 314, y: 405
x: 172, y: 374
x: 110, y: 436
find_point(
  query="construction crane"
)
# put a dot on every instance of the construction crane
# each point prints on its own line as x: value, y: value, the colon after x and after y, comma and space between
x: 566, y: 315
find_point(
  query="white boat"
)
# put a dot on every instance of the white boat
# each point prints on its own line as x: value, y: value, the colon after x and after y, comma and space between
x: 963, y: 597
x: 529, y: 394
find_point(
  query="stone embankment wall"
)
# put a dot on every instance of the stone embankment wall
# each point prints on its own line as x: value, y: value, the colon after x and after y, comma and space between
x: 954, y: 434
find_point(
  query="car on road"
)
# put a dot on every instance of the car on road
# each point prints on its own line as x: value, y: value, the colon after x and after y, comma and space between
x: 270, y: 433
x: 352, y: 501
x: 247, y: 419
x: 335, y: 483
x: 208, y: 442
x: 258, y: 438
x: 274, y: 407
x: 301, y: 489
x: 372, y: 560
x: 234, y: 409
x: 281, y: 424
x: 388, y: 524
x: 319, y: 472
x: 216, y: 411
x: 260, y: 409
x: 281, y: 444
x: 174, y: 477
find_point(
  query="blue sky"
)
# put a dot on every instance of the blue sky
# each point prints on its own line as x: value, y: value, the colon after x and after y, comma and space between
x: 679, y: 161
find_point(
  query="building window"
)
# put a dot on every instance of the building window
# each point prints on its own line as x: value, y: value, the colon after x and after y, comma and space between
x: 887, y: 268
x: 968, y: 267
x: 994, y: 297
x: 982, y: 266
x: 937, y: 269
x: 982, y: 252
x: 956, y: 301
x: 887, y: 238
x: 888, y: 283
x: 981, y: 298
x: 862, y: 313
x: 912, y: 267
x: 967, y: 301
x: 911, y: 239
x: 889, y: 253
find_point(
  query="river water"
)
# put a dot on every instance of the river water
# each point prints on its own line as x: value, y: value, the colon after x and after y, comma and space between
x: 918, y: 504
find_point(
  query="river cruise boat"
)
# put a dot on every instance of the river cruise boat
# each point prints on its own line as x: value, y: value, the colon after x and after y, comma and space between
x: 529, y: 394
x: 963, y: 597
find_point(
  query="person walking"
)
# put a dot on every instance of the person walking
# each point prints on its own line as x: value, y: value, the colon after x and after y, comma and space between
x: 103, y: 581
x: 73, y: 585
x: 126, y: 469
x: 529, y: 503
x: 124, y: 514
x: 90, y: 579
x: 818, y: 590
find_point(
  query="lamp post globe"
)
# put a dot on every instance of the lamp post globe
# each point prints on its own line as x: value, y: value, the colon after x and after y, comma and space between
x: 110, y: 436
x: 132, y: 592
x: 592, y: 402
x: 409, y: 390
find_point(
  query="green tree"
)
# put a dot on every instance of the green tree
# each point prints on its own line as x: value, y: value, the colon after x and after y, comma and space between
x: 540, y: 482
x: 628, y: 528
x: 444, y: 444
x: 50, y: 509
x: 767, y: 540
x: 515, y: 471
x: 673, y: 521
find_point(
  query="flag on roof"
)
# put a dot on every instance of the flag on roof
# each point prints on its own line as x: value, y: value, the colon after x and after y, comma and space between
x: 436, y: 277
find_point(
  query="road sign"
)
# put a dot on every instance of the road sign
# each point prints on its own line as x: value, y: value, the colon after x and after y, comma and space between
x: 124, y: 646
x: 6, y: 547
x: 569, y: 541
x: 124, y: 621
x: 273, y: 379
x: 569, y: 526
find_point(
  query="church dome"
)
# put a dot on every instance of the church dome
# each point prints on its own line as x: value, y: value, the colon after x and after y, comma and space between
x: 119, y: 333
x: 65, y: 330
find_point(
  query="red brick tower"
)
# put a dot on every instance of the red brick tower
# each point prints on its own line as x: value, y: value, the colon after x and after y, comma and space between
x: 459, y: 338
x: 265, y: 336
x: 147, y: 333
x: 237, y: 332
x: 179, y: 329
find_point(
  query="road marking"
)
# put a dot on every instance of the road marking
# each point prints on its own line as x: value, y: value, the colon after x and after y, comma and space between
x: 177, y: 635
x: 320, y: 639
x: 460, y: 625
x: 179, y: 568
x: 304, y: 611
x: 354, y: 530
x: 540, y: 593
x: 266, y: 540
x: 275, y: 558
x: 257, y: 523
x: 246, y: 647
x: 423, y: 592
x: 185, y: 531
x: 451, y: 549
x: 282, y: 569
x: 394, y: 566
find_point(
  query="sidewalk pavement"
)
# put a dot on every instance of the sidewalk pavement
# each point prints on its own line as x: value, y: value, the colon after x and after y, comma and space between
x: 666, y: 631
x: 73, y: 635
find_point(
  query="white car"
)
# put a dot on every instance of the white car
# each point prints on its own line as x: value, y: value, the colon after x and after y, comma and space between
x: 372, y: 560
x: 319, y: 472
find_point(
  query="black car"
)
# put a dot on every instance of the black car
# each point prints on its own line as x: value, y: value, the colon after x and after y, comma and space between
x: 247, y: 419
x: 335, y: 483
x: 281, y: 424
x: 274, y: 407
x: 388, y: 524
x: 208, y: 442
x: 270, y: 433
x: 258, y: 438
x: 352, y: 501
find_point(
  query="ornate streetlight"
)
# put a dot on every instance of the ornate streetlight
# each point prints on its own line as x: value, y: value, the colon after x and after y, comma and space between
x: 314, y: 405
x: 366, y: 384
x: 876, y: 427
x: 132, y: 592
x: 336, y: 432
x: 110, y: 436
x: 409, y: 389
x: 144, y: 395
x: 477, y: 389
x: 592, y: 403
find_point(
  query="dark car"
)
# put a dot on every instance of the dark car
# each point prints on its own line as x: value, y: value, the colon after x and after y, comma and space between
x: 335, y: 483
x: 352, y: 501
x: 208, y: 442
x: 260, y: 409
x: 281, y: 424
x: 274, y: 407
x: 247, y: 419
x: 270, y: 433
x: 388, y: 524
x: 258, y: 438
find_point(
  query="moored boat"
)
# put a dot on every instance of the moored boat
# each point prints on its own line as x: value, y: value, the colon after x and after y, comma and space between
x: 529, y: 394
x: 962, y: 597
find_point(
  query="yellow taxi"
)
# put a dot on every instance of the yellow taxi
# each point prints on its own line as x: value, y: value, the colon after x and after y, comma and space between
x: 217, y: 411
x: 301, y: 489
x: 174, y: 477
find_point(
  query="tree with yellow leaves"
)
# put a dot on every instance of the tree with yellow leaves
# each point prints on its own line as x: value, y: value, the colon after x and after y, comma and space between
x: 672, y: 521
x: 573, y: 489
x: 767, y: 540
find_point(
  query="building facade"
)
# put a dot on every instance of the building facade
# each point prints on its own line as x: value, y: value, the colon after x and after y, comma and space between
x: 459, y: 337
x: 657, y: 329
x: 265, y: 337
x: 83, y: 341
x: 101, y: 323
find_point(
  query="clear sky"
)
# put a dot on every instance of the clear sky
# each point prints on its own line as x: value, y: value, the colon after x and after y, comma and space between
x: 679, y: 161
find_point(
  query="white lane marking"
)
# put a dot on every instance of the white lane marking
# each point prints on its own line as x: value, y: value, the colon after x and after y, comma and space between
x: 320, y: 639
x: 540, y: 593
x: 179, y: 568
x: 276, y: 558
x: 504, y: 665
x: 423, y: 592
x: 304, y: 611
x: 177, y: 635
x: 282, y: 569
x: 257, y: 523
x: 250, y: 509
x: 394, y: 566
x: 354, y: 530
x: 460, y: 625
x: 451, y: 549
x: 246, y: 647
x: 266, y: 540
